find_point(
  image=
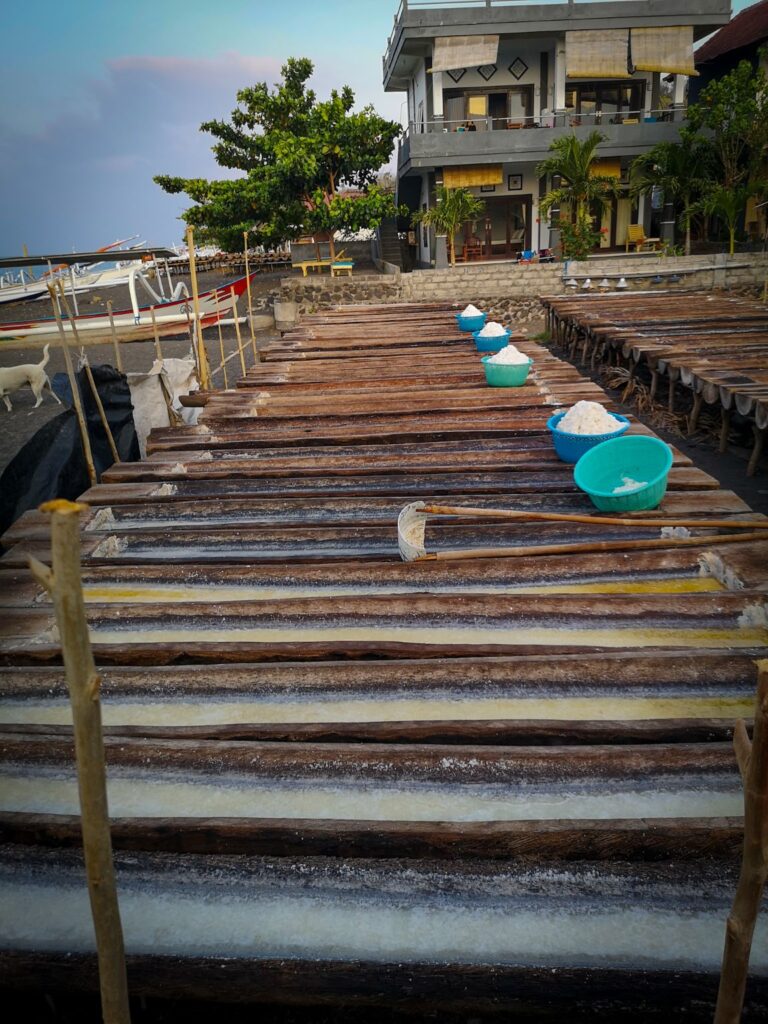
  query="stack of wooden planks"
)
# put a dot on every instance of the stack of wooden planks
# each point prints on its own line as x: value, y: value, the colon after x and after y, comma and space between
x: 715, y: 345
x: 336, y: 777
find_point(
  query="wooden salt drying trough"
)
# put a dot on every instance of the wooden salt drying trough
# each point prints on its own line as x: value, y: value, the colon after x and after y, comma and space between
x: 494, y: 783
x: 716, y: 346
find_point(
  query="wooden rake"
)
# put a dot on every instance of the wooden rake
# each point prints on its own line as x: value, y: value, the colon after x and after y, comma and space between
x: 412, y: 522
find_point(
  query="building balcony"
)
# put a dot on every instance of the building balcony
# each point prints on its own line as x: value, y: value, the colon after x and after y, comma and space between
x: 418, y: 22
x: 527, y: 139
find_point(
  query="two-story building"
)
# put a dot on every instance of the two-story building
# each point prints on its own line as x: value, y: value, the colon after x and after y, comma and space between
x: 491, y: 83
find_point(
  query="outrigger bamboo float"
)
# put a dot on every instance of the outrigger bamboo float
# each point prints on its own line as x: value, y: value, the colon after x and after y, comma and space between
x: 485, y: 784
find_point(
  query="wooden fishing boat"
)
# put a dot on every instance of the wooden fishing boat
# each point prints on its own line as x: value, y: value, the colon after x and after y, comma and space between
x: 133, y: 324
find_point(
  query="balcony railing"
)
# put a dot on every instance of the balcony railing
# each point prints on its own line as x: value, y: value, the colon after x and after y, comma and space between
x: 565, y: 119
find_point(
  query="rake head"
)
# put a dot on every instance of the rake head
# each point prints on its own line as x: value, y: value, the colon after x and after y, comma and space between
x: 411, y: 526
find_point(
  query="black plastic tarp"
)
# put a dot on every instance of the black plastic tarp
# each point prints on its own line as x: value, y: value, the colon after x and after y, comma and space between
x: 52, y: 464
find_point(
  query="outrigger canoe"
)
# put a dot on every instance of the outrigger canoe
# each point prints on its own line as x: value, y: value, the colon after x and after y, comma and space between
x: 131, y: 324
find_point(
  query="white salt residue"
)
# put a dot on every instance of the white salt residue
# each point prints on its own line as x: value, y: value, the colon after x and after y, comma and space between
x: 359, y: 800
x: 754, y: 616
x: 492, y: 330
x: 274, y: 924
x: 464, y: 707
x: 712, y: 565
x: 509, y: 356
x: 471, y: 311
x: 588, y: 418
x: 628, y: 484
x: 675, y: 531
x: 164, y: 491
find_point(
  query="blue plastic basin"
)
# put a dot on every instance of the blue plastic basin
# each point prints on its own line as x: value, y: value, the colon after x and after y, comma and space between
x: 470, y: 323
x: 571, y: 447
x: 511, y: 375
x: 642, y: 458
x: 491, y: 344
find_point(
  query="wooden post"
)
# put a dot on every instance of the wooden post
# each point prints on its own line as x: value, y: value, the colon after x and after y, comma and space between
x: 221, y: 338
x: 202, y: 358
x: 115, y: 343
x: 256, y: 355
x: 237, y: 330
x: 81, y: 422
x: 64, y: 585
x: 753, y: 764
x: 156, y: 333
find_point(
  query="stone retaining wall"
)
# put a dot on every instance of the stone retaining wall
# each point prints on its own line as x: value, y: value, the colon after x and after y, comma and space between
x: 512, y: 289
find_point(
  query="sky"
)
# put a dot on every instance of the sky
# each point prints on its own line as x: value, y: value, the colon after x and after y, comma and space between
x: 100, y: 95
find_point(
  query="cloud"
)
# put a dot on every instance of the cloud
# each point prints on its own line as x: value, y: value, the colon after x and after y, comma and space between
x: 85, y: 177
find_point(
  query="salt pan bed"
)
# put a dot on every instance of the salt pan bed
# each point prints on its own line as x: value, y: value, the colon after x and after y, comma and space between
x: 579, y: 917
x: 172, y: 794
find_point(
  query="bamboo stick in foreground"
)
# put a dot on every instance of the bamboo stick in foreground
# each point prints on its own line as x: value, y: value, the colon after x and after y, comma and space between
x: 156, y: 333
x: 76, y: 400
x: 115, y: 343
x: 753, y: 764
x: 64, y: 585
x: 202, y: 358
x: 221, y: 337
x: 256, y: 353
x: 237, y: 329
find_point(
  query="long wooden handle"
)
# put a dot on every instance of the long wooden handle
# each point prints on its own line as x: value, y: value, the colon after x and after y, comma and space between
x: 591, y: 547
x: 565, y: 517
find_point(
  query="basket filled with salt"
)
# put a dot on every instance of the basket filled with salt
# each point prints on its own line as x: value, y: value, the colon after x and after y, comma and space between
x: 625, y: 474
x: 580, y: 428
x: 491, y: 338
x: 470, y: 319
x: 507, y: 368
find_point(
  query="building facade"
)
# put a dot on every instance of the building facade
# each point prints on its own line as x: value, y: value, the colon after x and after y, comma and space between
x: 489, y: 84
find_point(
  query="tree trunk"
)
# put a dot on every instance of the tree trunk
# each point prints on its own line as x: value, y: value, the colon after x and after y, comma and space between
x: 452, y: 243
x: 732, y: 236
x: 331, y: 246
x: 686, y: 205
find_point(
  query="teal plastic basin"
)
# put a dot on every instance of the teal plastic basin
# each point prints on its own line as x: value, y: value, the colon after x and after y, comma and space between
x: 511, y: 376
x: 601, y: 469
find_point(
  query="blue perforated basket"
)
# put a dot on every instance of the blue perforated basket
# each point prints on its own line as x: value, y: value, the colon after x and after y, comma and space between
x: 470, y: 323
x: 571, y: 447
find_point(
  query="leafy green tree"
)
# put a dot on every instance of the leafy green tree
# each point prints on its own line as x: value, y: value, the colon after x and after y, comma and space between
x: 580, y: 187
x: 295, y: 154
x: 454, y: 207
x: 682, y: 172
x: 734, y: 109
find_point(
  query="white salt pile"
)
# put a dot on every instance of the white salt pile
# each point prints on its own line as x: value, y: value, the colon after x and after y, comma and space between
x: 628, y: 484
x: 492, y: 330
x: 588, y: 418
x: 471, y: 311
x: 508, y: 356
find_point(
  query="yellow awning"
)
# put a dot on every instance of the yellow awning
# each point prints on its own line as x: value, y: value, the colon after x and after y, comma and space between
x: 471, y: 177
x: 591, y: 54
x: 607, y: 168
x: 453, y: 52
x: 664, y: 49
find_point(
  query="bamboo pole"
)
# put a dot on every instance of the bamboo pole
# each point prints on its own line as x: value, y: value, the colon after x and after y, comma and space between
x: 156, y: 333
x: 221, y: 337
x: 64, y: 585
x: 76, y: 400
x: 115, y: 343
x: 256, y: 354
x: 102, y: 413
x: 237, y: 330
x: 753, y: 764
x: 202, y: 358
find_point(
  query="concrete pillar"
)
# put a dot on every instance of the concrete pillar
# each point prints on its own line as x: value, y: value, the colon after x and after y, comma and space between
x: 655, y: 90
x: 437, y: 99
x: 559, y: 99
x: 678, y: 94
x: 441, y: 252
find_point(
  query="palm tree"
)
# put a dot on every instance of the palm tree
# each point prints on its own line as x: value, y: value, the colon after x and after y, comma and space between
x: 725, y: 202
x: 681, y: 172
x: 580, y: 187
x: 454, y: 207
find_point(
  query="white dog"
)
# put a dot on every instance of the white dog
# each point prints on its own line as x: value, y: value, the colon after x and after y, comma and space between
x: 14, y: 377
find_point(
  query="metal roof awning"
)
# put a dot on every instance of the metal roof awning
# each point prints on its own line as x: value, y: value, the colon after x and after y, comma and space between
x: 72, y: 258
